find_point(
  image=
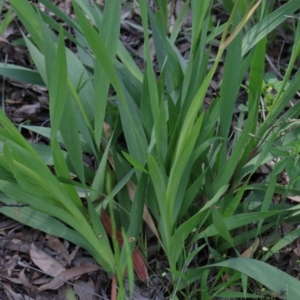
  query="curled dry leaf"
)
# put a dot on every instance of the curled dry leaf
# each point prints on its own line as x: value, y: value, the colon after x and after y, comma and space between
x: 45, y: 262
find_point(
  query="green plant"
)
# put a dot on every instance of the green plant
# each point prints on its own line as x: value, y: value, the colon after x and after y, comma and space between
x: 182, y: 163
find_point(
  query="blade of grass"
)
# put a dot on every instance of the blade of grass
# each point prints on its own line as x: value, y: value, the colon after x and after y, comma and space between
x: 133, y: 130
x: 237, y: 221
x: 58, y: 87
x: 109, y: 34
x: 69, y: 129
x: 42, y: 221
x: 21, y: 74
x: 273, y: 278
x: 29, y: 18
x: 100, y: 250
x: 265, y: 26
x: 8, y: 18
x: 155, y: 100
x: 229, y: 90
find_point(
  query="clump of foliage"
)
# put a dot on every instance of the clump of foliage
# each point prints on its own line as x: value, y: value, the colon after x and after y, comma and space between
x: 183, y: 169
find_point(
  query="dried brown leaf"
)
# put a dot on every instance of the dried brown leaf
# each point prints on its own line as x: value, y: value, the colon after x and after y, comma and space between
x: 55, y: 244
x: 44, y: 102
x: 294, y: 198
x: 45, y: 262
x: 11, y: 295
x: 28, y: 110
x: 250, y: 251
x: 14, y: 102
x: 8, y: 224
x: 84, y: 290
x: 10, y: 265
x: 67, y: 275
x: 74, y: 252
x: 17, y: 245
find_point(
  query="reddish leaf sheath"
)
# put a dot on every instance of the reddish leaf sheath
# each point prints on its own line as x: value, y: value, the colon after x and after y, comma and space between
x: 139, y: 265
